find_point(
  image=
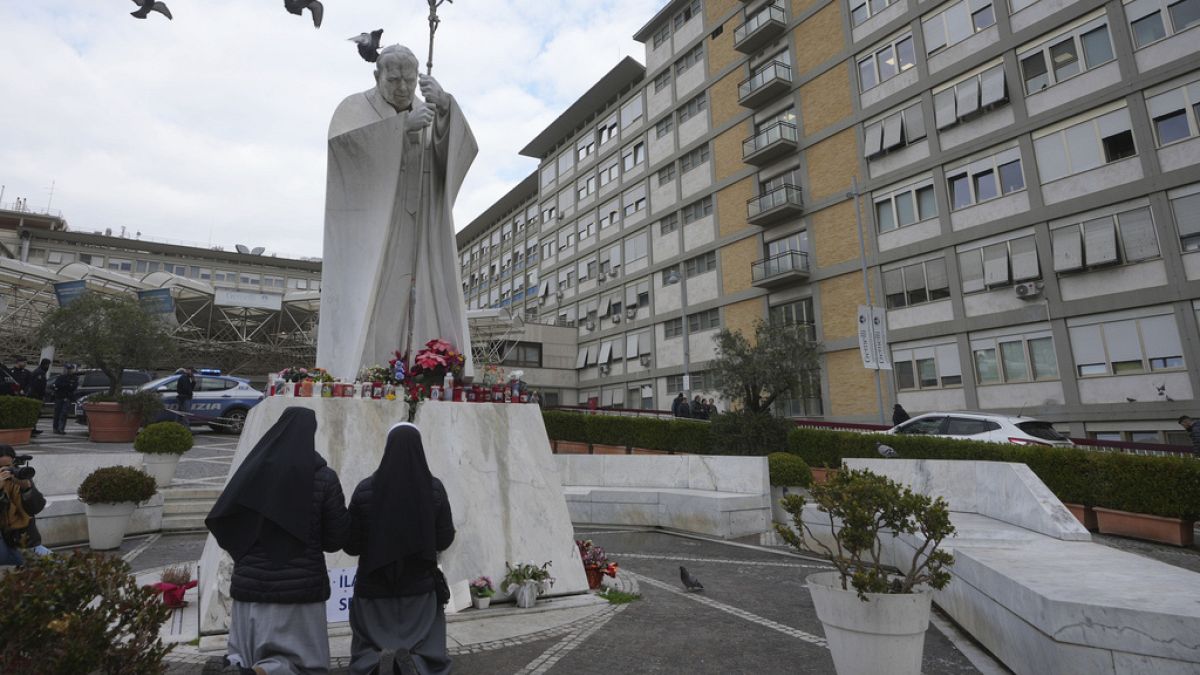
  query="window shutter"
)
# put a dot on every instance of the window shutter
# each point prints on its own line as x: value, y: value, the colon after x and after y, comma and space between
x: 944, y: 110
x: 873, y: 139
x: 593, y: 353
x: 1187, y: 214
x: 935, y: 272
x: 967, y: 95
x: 947, y: 361
x: 1024, y: 259
x: 914, y: 123
x: 1086, y: 345
x: 1121, y: 338
x: 993, y: 86
x: 995, y: 264
x: 892, y: 136
x: 1100, y: 241
x: 1161, y: 337
x: 1068, y: 250
x: 1137, y: 235
x: 581, y: 358
x: 1166, y: 103
x: 631, y: 346
x: 970, y: 265
x: 605, y: 352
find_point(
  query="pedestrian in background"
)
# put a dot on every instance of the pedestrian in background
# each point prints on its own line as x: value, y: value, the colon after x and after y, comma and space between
x: 21, y: 376
x: 699, y: 410
x: 677, y: 404
x: 64, y: 388
x: 37, y: 387
x: 899, y: 415
x: 1193, y: 430
x: 185, y: 388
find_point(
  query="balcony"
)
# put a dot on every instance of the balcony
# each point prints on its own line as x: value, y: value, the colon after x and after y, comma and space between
x: 770, y: 143
x: 768, y: 84
x: 775, y: 205
x: 779, y: 269
x: 760, y: 28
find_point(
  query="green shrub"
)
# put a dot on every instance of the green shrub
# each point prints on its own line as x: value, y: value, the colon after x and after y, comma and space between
x: 1158, y: 486
x: 563, y: 426
x: 144, y: 405
x: 19, y: 412
x: 749, y: 434
x: 116, y: 484
x: 789, y: 470
x: 164, y: 438
x: 82, y: 613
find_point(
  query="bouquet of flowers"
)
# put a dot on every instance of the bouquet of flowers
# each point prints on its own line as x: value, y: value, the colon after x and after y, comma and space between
x: 482, y: 587
x: 594, y: 558
x: 320, y: 375
x: 526, y: 571
x: 435, y: 360
x: 377, y: 373
x: 294, y: 374
x: 491, y: 374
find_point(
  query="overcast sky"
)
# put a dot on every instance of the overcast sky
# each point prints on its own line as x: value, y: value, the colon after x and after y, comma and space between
x: 212, y: 127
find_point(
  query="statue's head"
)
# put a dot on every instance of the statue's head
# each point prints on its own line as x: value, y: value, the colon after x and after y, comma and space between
x: 396, y: 75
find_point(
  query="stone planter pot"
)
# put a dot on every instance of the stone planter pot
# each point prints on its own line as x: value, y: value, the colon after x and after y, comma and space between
x: 644, y: 451
x: 15, y: 436
x: 480, y: 602
x: 1084, y: 514
x: 161, y: 466
x: 107, y: 423
x: 570, y: 448
x: 595, y: 575
x: 107, y: 523
x: 525, y: 594
x: 1174, y: 531
x: 601, y: 449
x: 778, y: 492
x: 886, y: 634
x: 821, y: 474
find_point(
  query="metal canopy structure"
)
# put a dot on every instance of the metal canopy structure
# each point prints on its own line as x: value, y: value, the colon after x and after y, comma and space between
x: 494, y: 333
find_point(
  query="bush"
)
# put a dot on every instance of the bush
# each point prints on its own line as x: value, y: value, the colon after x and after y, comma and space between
x: 675, y: 435
x: 82, y: 613
x: 749, y: 434
x: 164, y: 438
x: 789, y: 470
x: 116, y: 484
x: 18, y: 412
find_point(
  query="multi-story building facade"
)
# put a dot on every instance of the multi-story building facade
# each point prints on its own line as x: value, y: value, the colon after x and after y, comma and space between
x: 1029, y: 179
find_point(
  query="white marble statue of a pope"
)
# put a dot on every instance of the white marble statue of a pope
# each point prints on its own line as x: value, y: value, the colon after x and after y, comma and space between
x: 396, y: 164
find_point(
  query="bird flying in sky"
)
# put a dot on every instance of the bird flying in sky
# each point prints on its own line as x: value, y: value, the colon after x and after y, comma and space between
x: 314, y: 7
x: 147, y: 6
x: 368, y: 45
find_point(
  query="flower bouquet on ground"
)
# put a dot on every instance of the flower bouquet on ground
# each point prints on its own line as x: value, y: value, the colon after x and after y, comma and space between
x: 526, y: 581
x: 175, y: 581
x: 482, y: 592
x: 595, y: 563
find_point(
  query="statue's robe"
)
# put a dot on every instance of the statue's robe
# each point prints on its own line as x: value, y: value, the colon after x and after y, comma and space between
x: 388, y: 205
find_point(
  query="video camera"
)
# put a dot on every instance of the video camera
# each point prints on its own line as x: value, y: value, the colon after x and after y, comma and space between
x: 20, y: 468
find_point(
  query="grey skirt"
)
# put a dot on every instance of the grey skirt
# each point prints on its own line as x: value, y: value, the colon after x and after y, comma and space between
x: 415, y: 623
x: 280, y: 639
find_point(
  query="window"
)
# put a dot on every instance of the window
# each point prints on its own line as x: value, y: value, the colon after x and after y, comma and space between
x: 905, y: 206
x: 119, y: 265
x: 566, y: 239
x: 1084, y: 145
x: 687, y: 14
x: 970, y: 97
x: 985, y: 179
x: 794, y: 242
x: 935, y: 367
x: 693, y: 159
x: 631, y: 112
x: 1186, y: 208
x: 861, y: 11
x: 637, y: 295
x: 607, y: 131
x: 693, y: 107
x: 894, y: 131
x: 673, y: 328
x: 798, y: 313
x: 633, y: 155
x: 662, y: 35
x: 610, y: 214
x: 549, y: 248
x: 706, y: 320
x: 609, y: 172
x: 1058, y: 58
x: 670, y: 223
x: 1014, y: 358
x: 664, y: 127
x: 699, y: 382
x: 248, y: 279
x: 586, y: 228
x: 957, y: 23
x: 1128, y: 346
x: 636, y: 247
x: 999, y: 264
x: 1146, y: 18
x: 885, y: 63
x: 1111, y: 239
x: 666, y: 175
x: 697, y: 210
x: 700, y: 264
x: 585, y: 187
x: 916, y: 284
x: 549, y: 211
x: 586, y: 147
x: 1175, y: 113
x: 566, y: 163
x: 549, y: 175
x: 662, y: 81
x: 634, y: 201
x: 524, y: 354
x: 692, y: 57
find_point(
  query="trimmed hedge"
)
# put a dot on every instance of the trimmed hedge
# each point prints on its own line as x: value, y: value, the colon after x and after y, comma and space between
x: 637, y: 432
x: 116, y: 484
x: 788, y: 470
x: 19, y: 412
x: 164, y: 438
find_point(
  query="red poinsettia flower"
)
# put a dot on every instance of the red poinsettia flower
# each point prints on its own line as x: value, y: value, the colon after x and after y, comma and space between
x: 439, y: 345
x: 428, y: 359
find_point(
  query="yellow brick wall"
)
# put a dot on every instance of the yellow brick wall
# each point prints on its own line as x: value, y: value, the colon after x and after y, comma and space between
x: 801, y: 6
x: 731, y: 208
x: 715, y: 9
x: 720, y: 51
x: 740, y: 316
x: 826, y: 99
x: 819, y: 37
x: 840, y: 298
x: 851, y: 387
x: 736, y: 260
x: 724, y: 97
x: 834, y: 234
x: 831, y: 165
x: 727, y: 152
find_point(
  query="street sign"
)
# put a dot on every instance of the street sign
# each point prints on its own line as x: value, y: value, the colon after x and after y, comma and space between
x: 687, y: 383
x: 872, y: 338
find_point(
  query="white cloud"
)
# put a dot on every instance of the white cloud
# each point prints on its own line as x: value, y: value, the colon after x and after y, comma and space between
x: 211, y: 128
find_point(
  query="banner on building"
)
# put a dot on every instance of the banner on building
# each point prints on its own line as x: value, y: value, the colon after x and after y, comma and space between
x: 225, y: 297
x: 69, y: 291
x: 157, y: 301
x: 872, y: 338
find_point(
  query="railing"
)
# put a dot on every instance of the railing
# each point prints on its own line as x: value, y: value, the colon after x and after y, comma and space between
x: 774, y: 70
x: 773, y: 12
x: 780, y: 196
x: 779, y: 131
x: 783, y: 263
x: 22, y: 206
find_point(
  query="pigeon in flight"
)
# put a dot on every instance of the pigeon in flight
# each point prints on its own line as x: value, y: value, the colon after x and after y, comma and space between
x: 886, y: 451
x: 368, y: 45
x: 147, y: 6
x: 314, y: 7
x: 689, y: 582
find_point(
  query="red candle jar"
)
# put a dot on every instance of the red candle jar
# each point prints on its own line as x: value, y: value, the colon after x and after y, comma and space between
x: 458, y: 394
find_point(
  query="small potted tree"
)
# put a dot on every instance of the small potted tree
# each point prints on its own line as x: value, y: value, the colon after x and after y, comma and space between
x: 875, y: 617
x: 789, y: 475
x: 482, y: 592
x: 17, y: 417
x: 111, y: 494
x: 161, y: 445
x: 526, y: 581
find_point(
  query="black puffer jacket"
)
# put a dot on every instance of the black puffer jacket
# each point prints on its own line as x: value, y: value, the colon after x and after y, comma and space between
x: 304, y: 578
x: 413, y: 578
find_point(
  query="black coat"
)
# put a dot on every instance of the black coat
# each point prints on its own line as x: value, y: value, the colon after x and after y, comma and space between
x: 65, y: 386
x: 22, y: 377
x: 186, y: 386
x: 37, y: 384
x: 395, y: 580
x: 303, y: 578
x: 33, y: 502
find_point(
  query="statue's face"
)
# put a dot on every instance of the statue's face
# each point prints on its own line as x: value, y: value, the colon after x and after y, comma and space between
x: 397, y: 80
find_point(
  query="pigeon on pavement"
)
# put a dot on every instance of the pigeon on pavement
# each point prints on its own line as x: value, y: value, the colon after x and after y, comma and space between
x: 368, y: 45
x: 314, y: 7
x: 689, y: 582
x: 147, y: 6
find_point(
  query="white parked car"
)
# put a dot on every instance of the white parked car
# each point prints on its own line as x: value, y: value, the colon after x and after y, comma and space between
x: 974, y: 426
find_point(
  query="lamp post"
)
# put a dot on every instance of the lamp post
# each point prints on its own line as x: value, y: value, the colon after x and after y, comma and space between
x: 673, y: 277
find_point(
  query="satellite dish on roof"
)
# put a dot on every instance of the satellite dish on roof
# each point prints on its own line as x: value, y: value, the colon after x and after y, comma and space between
x: 241, y: 248
x: 258, y: 250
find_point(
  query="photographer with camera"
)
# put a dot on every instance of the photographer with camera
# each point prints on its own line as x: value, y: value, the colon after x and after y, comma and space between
x: 20, y: 501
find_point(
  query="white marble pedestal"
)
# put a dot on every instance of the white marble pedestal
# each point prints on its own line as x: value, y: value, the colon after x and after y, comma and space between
x: 494, y: 460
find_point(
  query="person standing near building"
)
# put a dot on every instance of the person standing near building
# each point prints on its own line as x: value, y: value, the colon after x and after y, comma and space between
x: 64, y: 388
x: 678, y: 404
x: 1193, y: 430
x: 184, y: 390
x: 37, y: 387
x: 21, y: 376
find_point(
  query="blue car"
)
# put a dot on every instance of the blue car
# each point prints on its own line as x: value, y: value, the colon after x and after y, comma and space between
x: 220, y: 401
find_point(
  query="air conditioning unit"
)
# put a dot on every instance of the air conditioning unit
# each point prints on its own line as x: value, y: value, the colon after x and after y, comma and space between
x: 1028, y: 290
x: 645, y: 360
x: 631, y: 312
x: 591, y: 325
x: 616, y: 318
x: 605, y: 368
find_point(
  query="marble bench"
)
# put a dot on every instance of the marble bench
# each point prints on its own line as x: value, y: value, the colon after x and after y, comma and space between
x: 724, y: 497
x: 1032, y: 587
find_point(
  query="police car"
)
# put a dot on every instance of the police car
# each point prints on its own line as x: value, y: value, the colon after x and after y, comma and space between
x: 220, y: 401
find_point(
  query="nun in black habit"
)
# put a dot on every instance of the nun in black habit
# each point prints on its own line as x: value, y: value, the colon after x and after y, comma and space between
x: 279, y: 514
x: 400, y: 520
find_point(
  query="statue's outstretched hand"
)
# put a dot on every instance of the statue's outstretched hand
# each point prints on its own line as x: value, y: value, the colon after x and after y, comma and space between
x: 433, y: 93
x: 420, y: 117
